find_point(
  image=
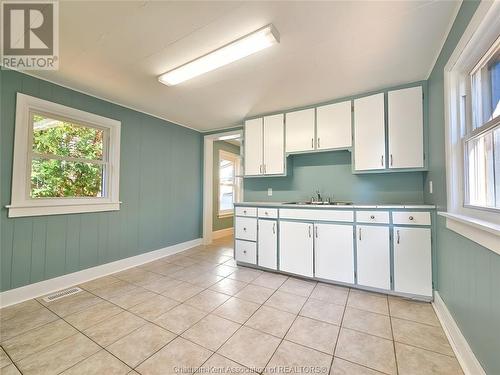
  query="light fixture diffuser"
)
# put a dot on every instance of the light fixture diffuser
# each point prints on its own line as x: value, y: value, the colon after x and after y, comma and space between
x: 242, y: 47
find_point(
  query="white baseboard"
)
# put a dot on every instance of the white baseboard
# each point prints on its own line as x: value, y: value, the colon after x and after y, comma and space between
x: 222, y: 233
x: 13, y: 296
x: 463, y: 352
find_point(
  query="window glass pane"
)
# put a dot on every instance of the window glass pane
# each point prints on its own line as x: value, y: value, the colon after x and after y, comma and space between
x: 495, y: 87
x: 66, y: 139
x: 481, y: 171
x: 226, y: 184
x: 226, y: 197
x: 52, y: 178
x: 496, y: 151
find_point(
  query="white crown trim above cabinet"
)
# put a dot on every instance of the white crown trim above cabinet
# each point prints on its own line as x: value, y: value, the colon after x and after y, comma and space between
x: 300, y: 134
x: 333, y: 126
x: 264, y: 146
x: 405, y: 128
x: 369, y: 133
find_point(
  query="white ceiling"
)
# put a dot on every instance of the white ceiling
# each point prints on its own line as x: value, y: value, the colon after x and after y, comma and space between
x: 116, y: 50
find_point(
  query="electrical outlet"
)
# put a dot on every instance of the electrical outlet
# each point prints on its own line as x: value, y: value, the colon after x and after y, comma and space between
x: 269, y: 192
x: 430, y: 187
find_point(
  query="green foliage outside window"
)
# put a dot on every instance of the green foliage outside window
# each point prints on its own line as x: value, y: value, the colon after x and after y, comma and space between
x: 56, y: 177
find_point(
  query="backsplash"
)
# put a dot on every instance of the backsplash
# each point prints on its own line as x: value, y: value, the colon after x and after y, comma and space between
x: 330, y: 172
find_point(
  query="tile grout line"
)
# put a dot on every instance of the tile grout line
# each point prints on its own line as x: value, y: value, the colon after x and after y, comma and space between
x: 340, y: 328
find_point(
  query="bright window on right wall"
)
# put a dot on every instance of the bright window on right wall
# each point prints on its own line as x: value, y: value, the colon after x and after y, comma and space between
x: 482, y: 133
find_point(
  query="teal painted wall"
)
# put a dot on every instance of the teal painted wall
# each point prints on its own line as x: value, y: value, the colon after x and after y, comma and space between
x: 162, y: 200
x: 330, y: 172
x: 468, y: 275
x: 224, y: 222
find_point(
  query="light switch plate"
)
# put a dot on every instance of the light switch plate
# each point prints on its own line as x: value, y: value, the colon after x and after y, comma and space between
x: 269, y: 192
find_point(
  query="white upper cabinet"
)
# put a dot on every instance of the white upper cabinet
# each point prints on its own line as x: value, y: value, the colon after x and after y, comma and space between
x: 253, y: 147
x: 406, y: 128
x: 333, y: 126
x: 369, y: 133
x: 300, y: 131
x: 274, y: 145
x: 264, y: 146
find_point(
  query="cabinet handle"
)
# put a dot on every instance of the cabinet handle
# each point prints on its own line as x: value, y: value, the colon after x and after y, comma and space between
x: 312, y: 142
x: 264, y: 168
x: 245, y: 229
x: 372, y: 217
x: 397, y: 232
x: 360, y: 234
x: 382, y: 160
x: 245, y: 212
x: 309, y: 231
x: 244, y: 251
x: 274, y: 228
x: 261, y: 169
x: 266, y: 213
x: 318, y: 143
x: 391, y: 160
x: 411, y: 218
x: 316, y: 227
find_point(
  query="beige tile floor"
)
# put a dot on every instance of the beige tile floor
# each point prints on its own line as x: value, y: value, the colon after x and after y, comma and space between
x: 197, y: 312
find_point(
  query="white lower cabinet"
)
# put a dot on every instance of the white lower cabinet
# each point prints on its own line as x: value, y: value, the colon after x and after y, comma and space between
x: 412, y: 261
x: 268, y: 244
x: 296, y: 247
x: 333, y: 252
x: 373, y: 256
x: 245, y: 251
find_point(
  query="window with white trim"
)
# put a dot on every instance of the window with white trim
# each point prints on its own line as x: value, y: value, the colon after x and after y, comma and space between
x: 482, y: 133
x: 228, y: 187
x: 65, y: 160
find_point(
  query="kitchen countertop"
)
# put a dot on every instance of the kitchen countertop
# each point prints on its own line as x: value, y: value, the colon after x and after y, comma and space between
x: 285, y: 205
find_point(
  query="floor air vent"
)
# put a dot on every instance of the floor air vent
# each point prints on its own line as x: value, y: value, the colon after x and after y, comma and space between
x: 62, y: 294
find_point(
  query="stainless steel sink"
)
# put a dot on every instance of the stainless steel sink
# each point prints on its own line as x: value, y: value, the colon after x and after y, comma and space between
x: 334, y: 203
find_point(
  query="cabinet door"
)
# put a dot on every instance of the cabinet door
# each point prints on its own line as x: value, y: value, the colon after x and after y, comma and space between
x: 412, y: 261
x: 333, y: 252
x: 253, y: 147
x: 274, y: 144
x: 296, y: 248
x: 373, y: 255
x: 369, y: 133
x: 268, y: 244
x: 333, y: 126
x: 245, y: 251
x: 406, y: 128
x: 300, y: 130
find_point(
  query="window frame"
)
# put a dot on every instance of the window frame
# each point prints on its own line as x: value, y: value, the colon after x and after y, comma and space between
x: 481, y: 225
x: 22, y: 204
x: 226, y: 155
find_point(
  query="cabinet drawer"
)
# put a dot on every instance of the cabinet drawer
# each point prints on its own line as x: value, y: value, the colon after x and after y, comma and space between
x: 246, y: 211
x: 268, y: 212
x: 412, y: 218
x: 245, y: 228
x: 245, y: 251
x: 380, y: 217
x: 317, y: 215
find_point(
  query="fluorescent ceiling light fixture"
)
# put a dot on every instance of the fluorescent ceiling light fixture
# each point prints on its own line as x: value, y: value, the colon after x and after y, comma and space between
x: 242, y: 47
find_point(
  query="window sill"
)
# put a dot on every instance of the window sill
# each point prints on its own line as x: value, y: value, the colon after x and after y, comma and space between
x: 224, y: 215
x: 39, y: 210
x: 485, y: 233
